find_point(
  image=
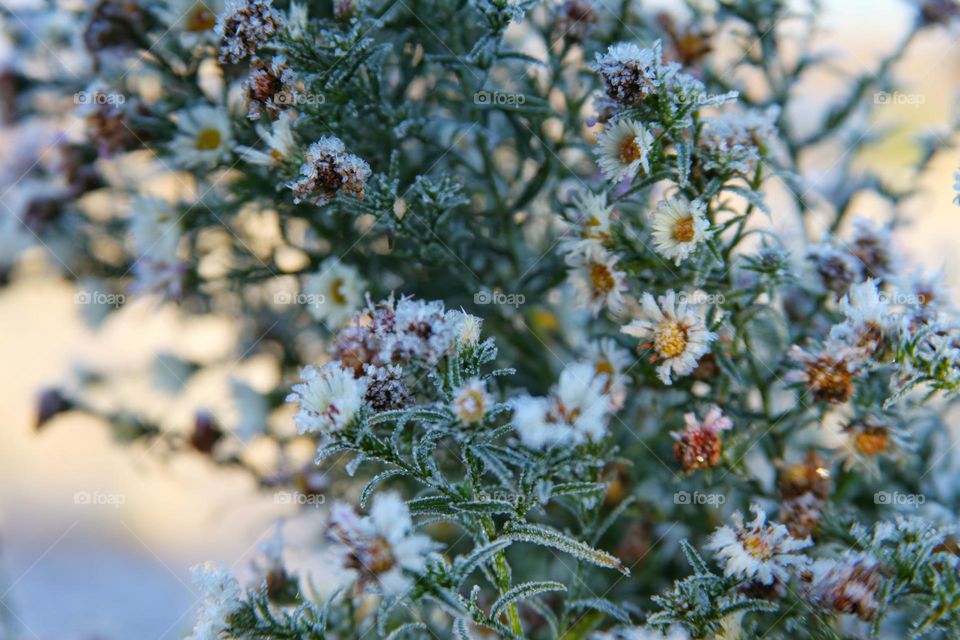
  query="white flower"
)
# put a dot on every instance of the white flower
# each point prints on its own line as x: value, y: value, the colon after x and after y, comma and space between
x: 221, y: 598
x: 675, y: 632
x: 574, y: 412
x: 328, y: 170
x: 735, y: 139
x: 281, y: 144
x: 203, y: 137
x: 329, y: 398
x: 593, y: 214
x: 610, y: 361
x: 848, y: 584
x: 383, y: 547
x: 869, y: 317
x: 419, y: 330
x: 679, y: 226
x: 471, y: 402
x: 192, y: 20
x: 469, y: 328
x: 623, y: 149
x: 155, y: 235
x: 597, y: 282
x: 630, y: 74
x: 756, y: 550
x: 675, y: 331
x: 335, y: 292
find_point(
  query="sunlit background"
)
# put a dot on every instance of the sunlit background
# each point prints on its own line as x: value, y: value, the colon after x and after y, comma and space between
x: 96, y: 540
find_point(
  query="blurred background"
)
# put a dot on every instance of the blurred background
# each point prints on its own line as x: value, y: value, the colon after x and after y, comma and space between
x: 96, y: 540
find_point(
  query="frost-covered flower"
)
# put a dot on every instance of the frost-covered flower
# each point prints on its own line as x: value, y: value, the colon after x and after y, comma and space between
x: 203, y: 137
x: 334, y: 293
x: 593, y: 215
x: 596, y: 280
x: 869, y: 318
x: 281, y: 144
x: 574, y: 19
x: 418, y: 330
x: 679, y: 226
x: 574, y: 412
x: 270, y: 87
x: 849, y: 584
x: 471, y: 401
x: 837, y: 269
x: 386, y: 388
x: 328, y: 398
x: 192, y: 20
x: 867, y: 440
x: 610, y: 361
x: 631, y: 74
x: 698, y: 446
x: 328, y: 170
x: 155, y: 235
x: 675, y: 632
x: 871, y: 245
x: 245, y: 26
x: 221, y: 598
x: 757, y: 550
x: 829, y: 375
x: 735, y: 140
x: 383, y: 547
x: 675, y: 331
x: 623, y: 149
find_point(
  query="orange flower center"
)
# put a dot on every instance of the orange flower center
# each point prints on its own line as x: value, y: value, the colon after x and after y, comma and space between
x: 683, y: 231
x: 602, y: 278
x: 629, y: 150
x: 200, y: 18
x: 872, y: 441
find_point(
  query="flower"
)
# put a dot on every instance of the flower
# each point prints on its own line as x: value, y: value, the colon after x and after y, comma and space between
x: 269, y: 87
x: 736, y: 139
x: 675, y: 331
x: 610, y: 362
x: 675, y: 632
x: 329, y: 398
x: 471, y: 402
x: 335, y: 292
x: 623, y: 149
x: 282, y: 146
x: 221, y: 595
x: 155, y: 235
x: 418, y: 330
x: 328, y: 170
x: 193, y: 20
x: 595, y: 279
x: 679, y: 226
x: 849, y: 584
x: 383, y: 547
x: 828, y: 376
x: 631, y: 74
x: 386, y: 388
x: 593, y: 215
x: 573, y: 413
x: 698, y: 446
x: 244, y: 26
x: 871, y: 245
x: 574, y: 20
x: 203, y: 137
x: 867, y: 440
x: 869, y: 318
x: 756, y: 550
x: 837, y: 269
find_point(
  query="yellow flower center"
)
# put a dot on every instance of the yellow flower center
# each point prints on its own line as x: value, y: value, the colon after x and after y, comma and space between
x: 471, y: 406
x: 756, y: 546
x: 629, y: 150
x: 683, y: 231
x: 601, y: 277
x: 208, y: 140
x: 670, y: 339
x: 605, y: 367
x: 200, y: 18
x: 872, y: 442
x: 336, y: 292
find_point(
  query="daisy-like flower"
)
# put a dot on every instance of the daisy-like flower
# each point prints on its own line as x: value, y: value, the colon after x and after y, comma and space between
x: 192, y: 20
x: 270, y: 87
x: 203, y: 137
x: 829, y: 375
x: 418, y: 330
x: 679, y: 226
x: 631, y: 74
x: 804, y: 490
x: 596, y: 280
x: 386, y: 388
x: 573, y: 413
x: 281, y: 144
x: 837, y: 269
x: 383, y: 548
x: 222, y: 597
x: 872, y: 245
x: 698, y: 446
x: 623, y: 149
x: 849, y: 584
x: 245, y: 26
x: 335, y: 292
x: 328, y: 170
x: 869, y: 439
x: 328, y: 398
x: 757, y: 550
x: 593, y: 215
x: 155, y: 234
x: 610, y: 361
x: 736, y: 140
x: 675, y: 331
x: 471, y: 402
x: 869, y: 318
x: 675, y: 632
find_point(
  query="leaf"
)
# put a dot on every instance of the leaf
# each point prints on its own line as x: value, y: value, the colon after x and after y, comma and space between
x: 460, y: 629
x: 694, y: 558
x: 521, y: 592
x: 552, y: 538
x: 380, y: 477
x: 330, y: 450
x: 430, y: 505
x: 463, y: 567
x: 604, y: 606
x: 490, y: 507
x: 404, y: 629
